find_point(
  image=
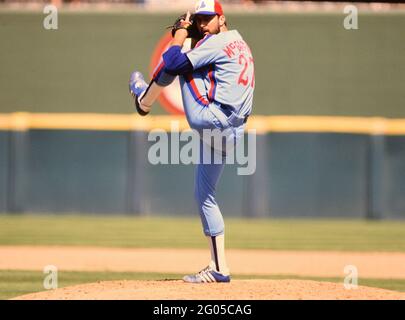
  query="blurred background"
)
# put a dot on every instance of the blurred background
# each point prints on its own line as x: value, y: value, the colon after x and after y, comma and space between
x: 330, y: 103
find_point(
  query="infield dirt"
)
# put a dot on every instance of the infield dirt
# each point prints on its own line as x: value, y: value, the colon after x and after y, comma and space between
x: 236, y: 290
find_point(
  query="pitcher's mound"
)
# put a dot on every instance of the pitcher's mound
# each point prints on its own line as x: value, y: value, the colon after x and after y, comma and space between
x: 237, y: 289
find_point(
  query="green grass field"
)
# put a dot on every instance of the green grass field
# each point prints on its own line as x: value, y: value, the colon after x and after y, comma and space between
x: 126, y: 231
x: 148, y: 232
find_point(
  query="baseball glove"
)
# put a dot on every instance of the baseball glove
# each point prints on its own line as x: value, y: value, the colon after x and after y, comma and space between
x: 192, y: 29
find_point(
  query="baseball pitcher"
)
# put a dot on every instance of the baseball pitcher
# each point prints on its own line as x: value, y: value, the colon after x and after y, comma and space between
x: 217, y: 84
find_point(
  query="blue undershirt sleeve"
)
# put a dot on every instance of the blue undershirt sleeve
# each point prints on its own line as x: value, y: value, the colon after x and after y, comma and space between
x: 176, y: 62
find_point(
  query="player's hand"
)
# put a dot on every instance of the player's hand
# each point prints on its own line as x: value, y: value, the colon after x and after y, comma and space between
x: 183, y: 26
x: 185, y: 23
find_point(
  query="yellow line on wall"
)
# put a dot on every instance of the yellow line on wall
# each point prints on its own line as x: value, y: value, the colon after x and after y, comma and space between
x: 262, y: 124
x: 354, y: 125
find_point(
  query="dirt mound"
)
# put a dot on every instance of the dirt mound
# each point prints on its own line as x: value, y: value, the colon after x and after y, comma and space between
x: 237, y: 289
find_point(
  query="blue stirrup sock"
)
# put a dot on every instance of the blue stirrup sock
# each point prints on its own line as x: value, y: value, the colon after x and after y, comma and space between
x: 218, y: 261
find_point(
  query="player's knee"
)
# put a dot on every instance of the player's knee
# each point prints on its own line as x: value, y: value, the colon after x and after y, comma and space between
x: 203, y: 201
x: 200, y: 119
x: 199, y: 124
x: 195, y: 123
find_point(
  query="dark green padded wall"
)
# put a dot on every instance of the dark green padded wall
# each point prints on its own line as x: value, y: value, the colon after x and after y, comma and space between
x: 4, y: 161
x: 298, y: 175
x: 76, y: 171
x: 306, y: 63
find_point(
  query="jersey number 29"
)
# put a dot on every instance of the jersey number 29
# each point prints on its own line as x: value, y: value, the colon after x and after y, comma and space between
x: 245, y: 74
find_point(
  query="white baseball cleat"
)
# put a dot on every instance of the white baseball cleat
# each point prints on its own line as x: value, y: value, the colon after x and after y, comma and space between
x: 207, y: 275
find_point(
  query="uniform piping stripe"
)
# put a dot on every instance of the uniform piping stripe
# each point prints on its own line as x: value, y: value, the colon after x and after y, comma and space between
x: 194, y: 91
x: 158, y: 70
x: 213, y: 81
x: 199, y: 43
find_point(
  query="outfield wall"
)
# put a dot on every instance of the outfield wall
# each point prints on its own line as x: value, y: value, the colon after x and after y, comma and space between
x: 4, y: 170
x: 306, y: 63
x: 306, y: 167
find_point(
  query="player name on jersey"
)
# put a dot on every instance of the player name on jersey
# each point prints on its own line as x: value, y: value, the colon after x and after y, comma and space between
x: 237, y: 46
